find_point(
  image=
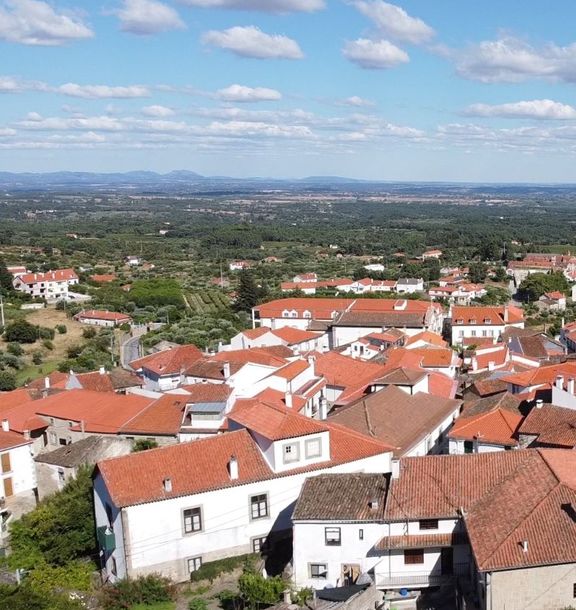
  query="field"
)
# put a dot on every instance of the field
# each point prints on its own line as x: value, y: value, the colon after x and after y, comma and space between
x: 207, y: 302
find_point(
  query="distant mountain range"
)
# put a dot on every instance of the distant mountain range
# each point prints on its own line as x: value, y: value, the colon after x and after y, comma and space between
x: 184, y: 181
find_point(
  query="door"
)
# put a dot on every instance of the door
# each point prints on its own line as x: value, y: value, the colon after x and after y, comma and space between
x: 8, y: 490
x: 350, y: 573
x: 447, y: 561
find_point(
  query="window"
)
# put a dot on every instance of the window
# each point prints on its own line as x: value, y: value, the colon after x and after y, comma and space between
x: 460, y: 333
x: 291, y: 453
x: 428, y: 524
x: 285, y: 314
x: 307, y: 314
x: 192, y: 520
x: 259, y: 506
x: 194, y: 564
x: 258, y: 544
x: 484, y: 333
x: 413, y: 556
x: 332, y: 536
x: 313, y: 447
x: 360, y: 534
x: 318, y: 570
x: 472, y: 333
x: 468, y: 447
x: 574, y: 590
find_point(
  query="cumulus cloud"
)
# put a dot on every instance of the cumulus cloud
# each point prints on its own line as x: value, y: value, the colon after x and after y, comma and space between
x: 374, y: 55
x: 394, y: 22
x: 34, y: 22
x: 356, y: 101
x: 146, y: 17
x: 269, y: 6
x: 7, y: 131
x: 511, y: 60
x: 241, y: 93
x: 530, y: 109
x: 103, y: 91
x: 157, y: 111
x: 250, y: 41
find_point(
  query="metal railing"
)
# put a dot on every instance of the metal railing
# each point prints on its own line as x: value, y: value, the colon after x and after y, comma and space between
x: 422, y: 579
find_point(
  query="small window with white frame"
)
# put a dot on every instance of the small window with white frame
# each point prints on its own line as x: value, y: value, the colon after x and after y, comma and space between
x: 332, y: 536
x: 259, y: 506
x: 194, y: 564
x: 192, y: 520
x: 318, y: 570
x: 290, y: 453
x: 313, y: 447
x: 258, y: 544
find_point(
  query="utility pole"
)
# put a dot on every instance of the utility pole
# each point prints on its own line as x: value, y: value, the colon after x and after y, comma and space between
x: 2, y: 320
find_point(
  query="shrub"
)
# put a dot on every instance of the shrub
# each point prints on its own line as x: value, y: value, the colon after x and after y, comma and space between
x: 197, y: 603
x: 48, y: 344
x: 212, y: 569
x: 15, y: 349
x: 89, y: 333
x: 147, y: 590
x: 74, y: 351
x: 62, y: 329
x: 46, y: 333
x: 21, y: 332
x: 144, y: 444
x: 37, y: 358
x: 7, y: 381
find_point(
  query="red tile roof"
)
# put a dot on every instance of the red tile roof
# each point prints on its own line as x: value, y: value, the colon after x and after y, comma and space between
x: 58, y: 275
x: 162, y: 417
x: 293, y: 336
x: 255, y: 333
x: 342, y: 371
x: 478, y: 316
x: 255, y: 355
x: 103, y: 278
x: 207, y: 392
x: 291, y: 370
x: 170, y: 361
x: 202, y: 465
x: 541, y: 375
x: 496, y: 427
x: 10, y: 440
x: 108, y: 316
x: 553, y: 426
x: 428, y: 337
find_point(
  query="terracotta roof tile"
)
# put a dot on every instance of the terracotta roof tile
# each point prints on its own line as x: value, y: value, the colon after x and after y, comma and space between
x: 170, y: 361
x: 477, y: 316
x: 553, y: 426
x: 421, y: 541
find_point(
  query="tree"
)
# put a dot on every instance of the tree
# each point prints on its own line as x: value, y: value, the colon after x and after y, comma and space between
x: 248, y: 293
x: 477, y: 272
x: 535, y: 285
x: 21, y: 331
x: 5, y: 279
x: 7, y: 381
x: 257, y: 590
x: 143, y: 444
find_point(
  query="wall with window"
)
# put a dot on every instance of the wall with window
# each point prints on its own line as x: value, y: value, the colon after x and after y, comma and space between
x: 301, y: 451
x: 458, y: 447
x: 232, y: 520
x: 319, y: 561
x: 17, y: 470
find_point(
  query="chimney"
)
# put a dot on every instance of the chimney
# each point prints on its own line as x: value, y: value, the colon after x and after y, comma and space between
x: 167, y: 483
x: 525, y: 545
x: 46, y: 383
x: 226, y: 370
x: 5, y: 425
x: 233, y: 468
x: 26, y: 435
x: 539, y: 403
x: 323, y: 408
x: 395, y: 469
x: 571, y: 386
x: 288, y: 400
x: 102, y: 371
x: 505, y: 314
x: 491, y: 365
x: 559, y: 382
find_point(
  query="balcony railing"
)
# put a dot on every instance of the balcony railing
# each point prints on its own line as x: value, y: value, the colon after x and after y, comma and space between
x: 422, y: 579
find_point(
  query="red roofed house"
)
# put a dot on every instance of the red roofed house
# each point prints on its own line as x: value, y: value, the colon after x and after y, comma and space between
x: 483, y: 322
x: 217, y: 497
x: 52, y: 285
x: 294, y: 338
x: 552, y: 301
x: 165, y: 370
x: 97, y: 317
x: 17, y: 472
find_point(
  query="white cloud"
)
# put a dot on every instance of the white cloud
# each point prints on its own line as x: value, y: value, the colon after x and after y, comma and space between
x: 145, y: 17
x: 33, y: 22
x: 269, y: 6
x: 250, y: 41
x: 356, y: 101
x: 531, y: 109
x: 394, y: 22
x: 103, y: 91
x: 512, y: 60
x: 241, y: 93
x: 7, y: 131
x: 157, y: 111
x: 374, y: 55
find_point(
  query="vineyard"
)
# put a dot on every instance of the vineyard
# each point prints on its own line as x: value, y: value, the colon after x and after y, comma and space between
x: 208, y: 302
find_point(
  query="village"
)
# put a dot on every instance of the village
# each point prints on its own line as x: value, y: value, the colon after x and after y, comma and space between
x: 395, y: 450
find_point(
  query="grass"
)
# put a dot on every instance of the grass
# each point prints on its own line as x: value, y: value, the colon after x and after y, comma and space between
x: 34, y: 371
x: 156, y: 606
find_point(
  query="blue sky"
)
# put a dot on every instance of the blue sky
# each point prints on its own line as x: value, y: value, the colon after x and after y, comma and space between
x: 414, y: 90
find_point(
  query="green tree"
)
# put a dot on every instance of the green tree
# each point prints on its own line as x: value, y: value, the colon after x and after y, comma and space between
x: 248, y: 292
x: 256, y: 590
x: 21, y: 331
x: 477, y: 272
x: 535, y: 285
x: 7, y: 381
x: 5, y: 279
x: 143, y: 444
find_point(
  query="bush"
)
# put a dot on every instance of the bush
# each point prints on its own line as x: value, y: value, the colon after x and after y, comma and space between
x: 74, y: 351
x: 21, y: 332
x: 7, y: 381
x: 147, y: 590
x: 144, y: 444
x: 48, y: 344
x: 46, y: 333
x: 26, y: 598
x: 197, y: 603
x: 212, y: 569
x: 75, y: 576
x: 37, y: 358
x: 15, y: 349
x: 89, y: 333
x: 62, y: 329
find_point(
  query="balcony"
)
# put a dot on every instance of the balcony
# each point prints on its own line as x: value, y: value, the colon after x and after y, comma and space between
x: 398, y: 580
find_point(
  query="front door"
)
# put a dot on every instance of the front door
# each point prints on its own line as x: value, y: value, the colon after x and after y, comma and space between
x: 8, y: 490
x: 350, y: 573
x: 447, y: 561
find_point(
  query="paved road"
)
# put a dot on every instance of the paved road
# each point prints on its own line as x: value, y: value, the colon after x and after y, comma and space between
x: 130, y: 350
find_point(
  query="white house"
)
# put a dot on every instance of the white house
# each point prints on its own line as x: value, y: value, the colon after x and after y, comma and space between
x: 108, y: 319
x: 217, y: 497
x: 17, y: 472
x: 52, y: 285
x: 483, y: 322
x: 409, y: 285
